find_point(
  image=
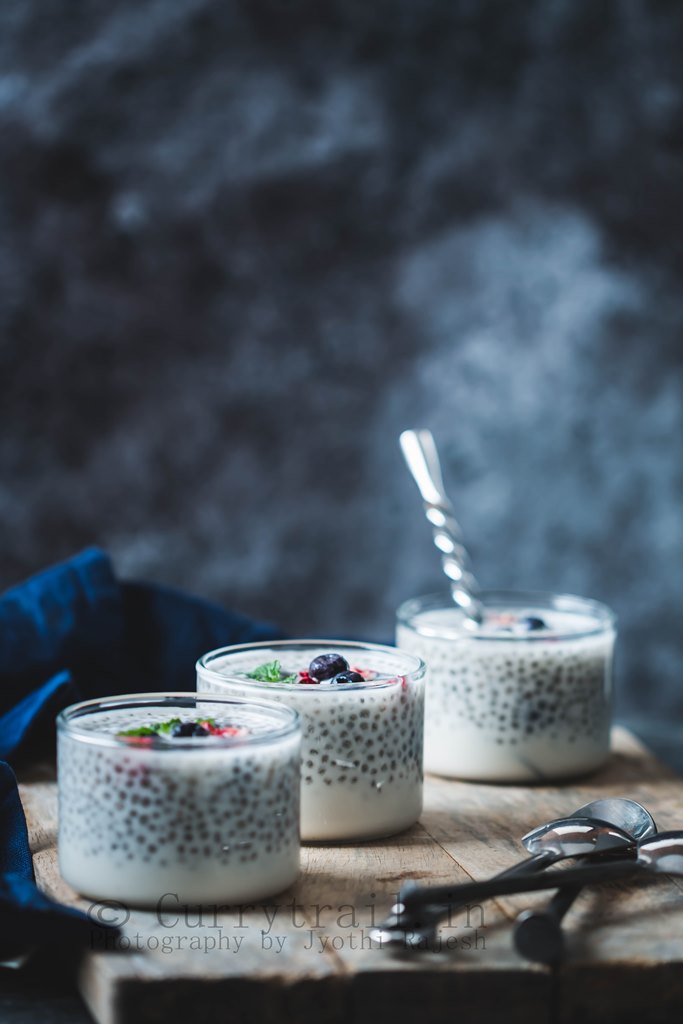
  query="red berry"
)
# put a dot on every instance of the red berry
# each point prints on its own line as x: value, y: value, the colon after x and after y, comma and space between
x: 304, y: 677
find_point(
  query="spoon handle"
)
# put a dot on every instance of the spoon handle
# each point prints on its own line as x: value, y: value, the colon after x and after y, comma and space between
x: 431, y: 915
x: 593, y: 874
x: 420, y: 908
x: 422, y: 459
x: 538, y: 933
x: 536, y: 862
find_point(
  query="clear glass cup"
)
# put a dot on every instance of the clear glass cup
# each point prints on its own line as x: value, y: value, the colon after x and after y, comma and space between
x: 212, y: 818
x: 361, y: 758
x: 507, y: 703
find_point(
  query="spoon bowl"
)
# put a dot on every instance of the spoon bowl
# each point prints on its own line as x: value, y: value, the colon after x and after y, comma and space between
x: 663, y: 853
x: 626, y: 814
x: 577, y: 837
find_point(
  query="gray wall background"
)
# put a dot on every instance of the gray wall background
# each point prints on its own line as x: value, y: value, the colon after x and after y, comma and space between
x: 243, y: 245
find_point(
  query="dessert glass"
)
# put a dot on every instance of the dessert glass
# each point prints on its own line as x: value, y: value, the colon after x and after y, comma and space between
x: 361, y: 757
x: 506, y: 702
x: 211, y: 819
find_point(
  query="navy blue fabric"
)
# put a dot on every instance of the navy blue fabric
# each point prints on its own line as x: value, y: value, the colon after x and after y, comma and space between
x: 70, y: 617
x: 30, y: 723
x: 29, y: 919
x: 71, y: 633
x: 15, y: 857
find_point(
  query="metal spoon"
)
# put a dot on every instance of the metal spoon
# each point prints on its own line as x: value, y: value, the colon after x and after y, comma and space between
x: 420, y: 908
x: 422, y: 459
x: 660, y: 854
x: 538, y: 933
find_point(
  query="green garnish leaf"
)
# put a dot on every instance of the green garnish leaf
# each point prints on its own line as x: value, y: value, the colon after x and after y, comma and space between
x: 155, y: 729
x: 267, y: 673
x: 164, y: 728
x: 271, y: 672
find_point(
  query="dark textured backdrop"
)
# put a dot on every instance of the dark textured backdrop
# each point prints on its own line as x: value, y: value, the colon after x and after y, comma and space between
x: 242, y: 245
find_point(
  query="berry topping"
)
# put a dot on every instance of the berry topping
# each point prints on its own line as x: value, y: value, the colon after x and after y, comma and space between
x: 347, y: 677
x: 364, y: 673
x: 150, y: 732
x: 146, y: 735
x: 327, y: 665
x: 140, y: 741
x: 532, y: 623
x: 189, y: 729
x: 221, y: 730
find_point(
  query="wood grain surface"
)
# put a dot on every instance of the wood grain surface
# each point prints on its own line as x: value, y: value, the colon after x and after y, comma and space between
x: 307, y: 955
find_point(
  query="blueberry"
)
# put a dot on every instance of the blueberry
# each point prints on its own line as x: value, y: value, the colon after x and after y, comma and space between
x: 347, y: 677
x: 327, y: 665
x: 189, y: 729
x: 532, y: 622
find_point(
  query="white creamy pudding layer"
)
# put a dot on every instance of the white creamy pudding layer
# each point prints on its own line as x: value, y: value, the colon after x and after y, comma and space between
x: 512, y: 703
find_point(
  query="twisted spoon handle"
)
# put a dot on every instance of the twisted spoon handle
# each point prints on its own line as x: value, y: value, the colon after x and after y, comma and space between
x: 422, y: 459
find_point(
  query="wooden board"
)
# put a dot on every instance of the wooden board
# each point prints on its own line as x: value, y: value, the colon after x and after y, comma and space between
x: 308, y: 957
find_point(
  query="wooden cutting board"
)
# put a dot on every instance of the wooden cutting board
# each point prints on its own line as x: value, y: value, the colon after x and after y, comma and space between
x: 307, y: 957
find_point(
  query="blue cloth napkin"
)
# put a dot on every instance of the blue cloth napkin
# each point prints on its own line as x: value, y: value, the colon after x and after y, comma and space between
x: 72, y: 633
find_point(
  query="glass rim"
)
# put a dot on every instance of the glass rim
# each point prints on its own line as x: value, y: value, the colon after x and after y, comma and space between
x: 66, y: 719
x: 605, y: 618
x: 414, y: 674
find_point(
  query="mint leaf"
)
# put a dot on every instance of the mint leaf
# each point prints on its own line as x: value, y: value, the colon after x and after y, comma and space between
x: 164, y: 728
x: 267, y: 673
x: 155, y: 729
x: 271, y: 672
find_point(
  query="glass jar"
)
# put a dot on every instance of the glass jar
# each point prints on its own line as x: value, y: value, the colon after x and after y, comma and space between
x: 525, y: 697
x: 212, y: 817
x: 361, y: 758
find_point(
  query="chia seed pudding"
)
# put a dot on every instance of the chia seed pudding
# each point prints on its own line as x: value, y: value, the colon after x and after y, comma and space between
x: 524, y: 697
x: 184, y: 793
x: 362, y: 711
